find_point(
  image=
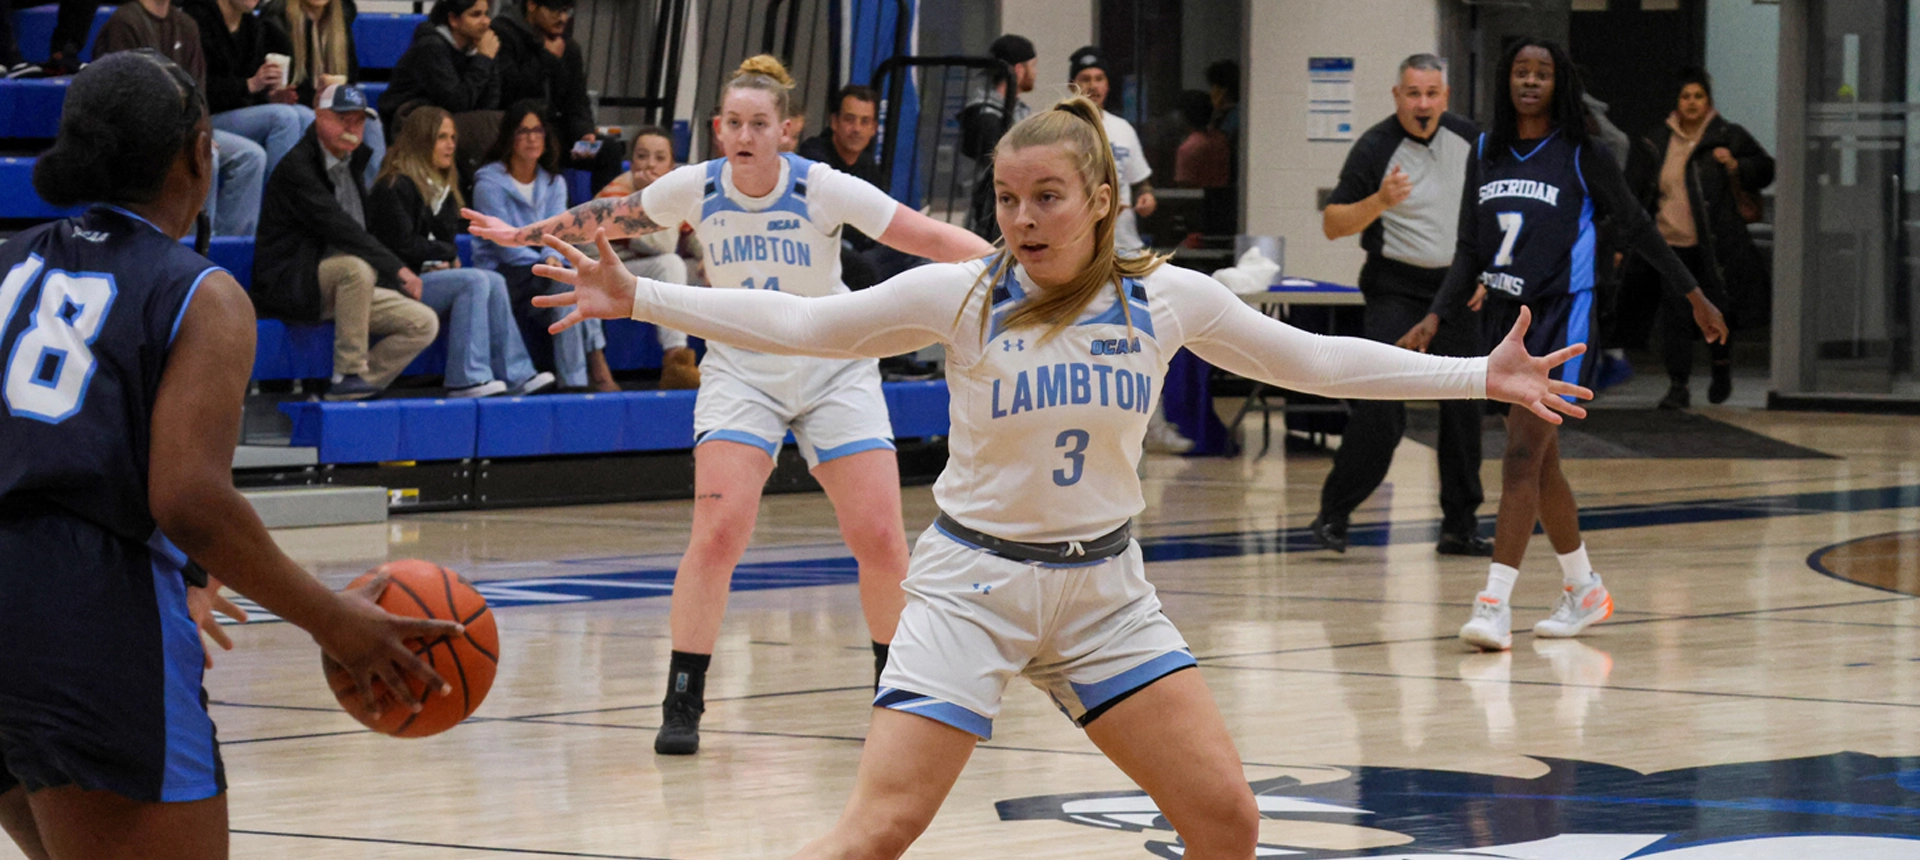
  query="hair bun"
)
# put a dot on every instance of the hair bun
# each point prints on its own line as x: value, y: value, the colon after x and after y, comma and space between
x: 766, y: 65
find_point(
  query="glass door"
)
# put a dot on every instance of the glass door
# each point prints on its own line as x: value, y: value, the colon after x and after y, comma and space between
x: 1863, y: 196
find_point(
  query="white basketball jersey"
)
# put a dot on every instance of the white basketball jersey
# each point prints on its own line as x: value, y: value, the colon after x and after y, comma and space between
x: 1045, y: 436
x: 788, y: 240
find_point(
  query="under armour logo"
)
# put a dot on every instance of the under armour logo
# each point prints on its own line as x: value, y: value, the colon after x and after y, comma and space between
x: 680, y: 682
x: 983, y: 589
x: 1011, y: 345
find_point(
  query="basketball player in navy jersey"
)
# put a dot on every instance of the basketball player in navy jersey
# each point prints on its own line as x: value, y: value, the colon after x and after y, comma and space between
x: 1526, y: 238
x: 127, y: 358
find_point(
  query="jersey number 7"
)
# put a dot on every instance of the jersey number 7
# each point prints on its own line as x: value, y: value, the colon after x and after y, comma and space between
x: 1510, y: 224
x: 50, y: 367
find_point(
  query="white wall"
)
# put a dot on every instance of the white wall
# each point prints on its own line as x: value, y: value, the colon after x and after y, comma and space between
x: 1743, y: 56
x: 1284, y: 169
x: 1057, y: 28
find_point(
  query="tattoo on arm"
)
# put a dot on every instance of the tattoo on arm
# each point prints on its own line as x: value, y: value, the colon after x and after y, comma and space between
x: 621, y: 217
x: 705, y: 496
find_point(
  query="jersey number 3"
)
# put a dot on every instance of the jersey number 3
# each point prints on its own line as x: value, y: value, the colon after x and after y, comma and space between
x: 50, y: 366
x: 1510, y: 224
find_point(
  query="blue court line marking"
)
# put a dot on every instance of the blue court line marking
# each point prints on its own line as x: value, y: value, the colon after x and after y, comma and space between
x: 804, y: 573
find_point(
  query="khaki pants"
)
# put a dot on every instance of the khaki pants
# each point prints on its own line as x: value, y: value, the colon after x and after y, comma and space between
x: 361, y: 311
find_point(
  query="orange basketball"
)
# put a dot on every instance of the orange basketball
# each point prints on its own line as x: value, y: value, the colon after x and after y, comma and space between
x: 422, y: 589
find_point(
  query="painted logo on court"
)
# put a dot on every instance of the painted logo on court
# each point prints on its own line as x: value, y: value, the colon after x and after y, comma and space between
x: 1849, y: 805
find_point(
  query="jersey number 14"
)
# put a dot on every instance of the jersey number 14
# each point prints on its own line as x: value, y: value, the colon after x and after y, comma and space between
x: 49, y: 368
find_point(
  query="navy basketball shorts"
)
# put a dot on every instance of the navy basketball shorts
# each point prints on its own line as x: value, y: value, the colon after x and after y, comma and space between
x: 1558, y: 321
x: 100, y: 683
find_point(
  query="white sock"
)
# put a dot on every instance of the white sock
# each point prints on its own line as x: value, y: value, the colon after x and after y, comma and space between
x: 1500, y: 580
x: 1575, y: 569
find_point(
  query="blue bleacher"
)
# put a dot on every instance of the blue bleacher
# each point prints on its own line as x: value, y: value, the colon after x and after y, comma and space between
x: 378, y: 37
x: 385, y: 431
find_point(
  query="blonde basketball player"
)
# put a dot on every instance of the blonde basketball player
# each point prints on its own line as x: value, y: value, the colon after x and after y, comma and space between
x: 769, y: 222
x: 1056, y: 348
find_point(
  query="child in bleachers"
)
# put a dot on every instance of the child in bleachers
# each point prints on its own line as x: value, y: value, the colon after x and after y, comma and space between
x: 668, y: 255
x: 520, y: 183
x: 415, y: 211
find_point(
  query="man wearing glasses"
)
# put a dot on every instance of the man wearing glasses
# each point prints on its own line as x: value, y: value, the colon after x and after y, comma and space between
x: 539, y: 60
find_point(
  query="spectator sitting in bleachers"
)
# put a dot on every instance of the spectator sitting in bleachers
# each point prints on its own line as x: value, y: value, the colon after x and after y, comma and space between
x: 70, y: 28
x: 321, y: 35
x: 314, y: 259
x: 13, y: 64
x: 415, y: 210
x: 520, y: 183
x: 241, y: 165
x: 248, y: 96
x: 537, y: 60
x: 847, y: 144
x: 672, y: 256
x: 451, y: 66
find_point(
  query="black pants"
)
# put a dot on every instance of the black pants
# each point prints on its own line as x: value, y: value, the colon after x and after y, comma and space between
x: 1678, y: 333
x: 1374, y: 427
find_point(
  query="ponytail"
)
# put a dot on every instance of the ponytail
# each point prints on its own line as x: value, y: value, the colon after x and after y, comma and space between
x: 763, y: 72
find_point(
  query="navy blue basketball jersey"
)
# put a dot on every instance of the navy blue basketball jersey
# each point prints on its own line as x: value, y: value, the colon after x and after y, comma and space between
x: 1534, y: 220
x: 88, y: 309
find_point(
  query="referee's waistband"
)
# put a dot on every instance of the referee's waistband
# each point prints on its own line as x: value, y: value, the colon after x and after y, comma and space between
x: 1071, y: 552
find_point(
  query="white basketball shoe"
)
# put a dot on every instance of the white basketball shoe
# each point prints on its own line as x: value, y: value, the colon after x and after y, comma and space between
x: 1576, y: 611
x: 1491, y: 627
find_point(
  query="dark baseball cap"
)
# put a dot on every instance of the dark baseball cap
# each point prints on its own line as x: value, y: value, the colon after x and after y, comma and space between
x: 1012, y: 50
x: 1084, y: 59
x: 344, y: 98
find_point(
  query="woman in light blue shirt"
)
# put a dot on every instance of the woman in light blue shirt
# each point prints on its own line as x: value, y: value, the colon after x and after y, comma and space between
x: 520, y: 184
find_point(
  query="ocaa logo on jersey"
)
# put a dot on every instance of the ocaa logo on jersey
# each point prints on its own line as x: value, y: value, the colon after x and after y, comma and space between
x: 1115, y: 346
x: 784, y: 224
x: 1848, y: 805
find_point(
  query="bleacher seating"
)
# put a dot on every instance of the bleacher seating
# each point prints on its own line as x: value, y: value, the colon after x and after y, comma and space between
x: 379, y: 37
x: 551, y: 425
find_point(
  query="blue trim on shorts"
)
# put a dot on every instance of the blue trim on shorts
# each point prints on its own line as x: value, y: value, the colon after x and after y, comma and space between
x: 1101, y: 692
x: 908, y: 702
x: 823, y: 456
x: 740, y: 436
x: 1579, y: 330
x: 191, y: 766
x: 974, y: 546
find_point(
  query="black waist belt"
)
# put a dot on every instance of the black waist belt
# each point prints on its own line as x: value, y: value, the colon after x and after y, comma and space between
x: 1066, y: 552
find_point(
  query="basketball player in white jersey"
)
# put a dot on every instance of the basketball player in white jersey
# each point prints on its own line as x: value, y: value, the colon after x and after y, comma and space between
x: 769, y: 222
x: 1055, y: 348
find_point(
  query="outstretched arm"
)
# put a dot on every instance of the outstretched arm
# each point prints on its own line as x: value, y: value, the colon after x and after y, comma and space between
x: 938, y: 241
x: 620, y: 217
x: 1226, y: 332
x: 913, y: 310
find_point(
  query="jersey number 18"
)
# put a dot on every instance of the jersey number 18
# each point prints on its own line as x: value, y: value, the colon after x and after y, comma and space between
x: 50, y: 367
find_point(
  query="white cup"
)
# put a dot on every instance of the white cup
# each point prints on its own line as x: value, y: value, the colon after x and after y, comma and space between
x: 286, y: 67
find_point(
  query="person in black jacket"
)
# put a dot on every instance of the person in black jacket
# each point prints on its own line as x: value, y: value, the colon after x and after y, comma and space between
x: 319, y: 38
x: 1686, y: 173
x: 415, y: 210
x: 249, y: 96
x: 314, y: 259
x: 450, y: 65
x: 539, y: 61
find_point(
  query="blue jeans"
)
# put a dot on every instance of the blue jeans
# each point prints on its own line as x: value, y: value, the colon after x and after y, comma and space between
x: 568, y: 349
x: 376, y: 136
x: 483, y: 341
x: 240, y: 178
x: 276, y: 128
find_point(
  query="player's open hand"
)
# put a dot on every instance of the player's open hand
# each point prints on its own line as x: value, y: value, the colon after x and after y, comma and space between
x: 602, y: 289
x: 368, y: 642
x: 202, y: 603
x: 495, y: 230
x: 1513, y: 376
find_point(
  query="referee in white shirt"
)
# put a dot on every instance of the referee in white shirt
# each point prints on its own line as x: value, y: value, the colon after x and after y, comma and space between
x: 1400, y: 190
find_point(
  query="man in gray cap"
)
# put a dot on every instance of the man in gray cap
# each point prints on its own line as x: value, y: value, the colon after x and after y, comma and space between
x: 314, y: 259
